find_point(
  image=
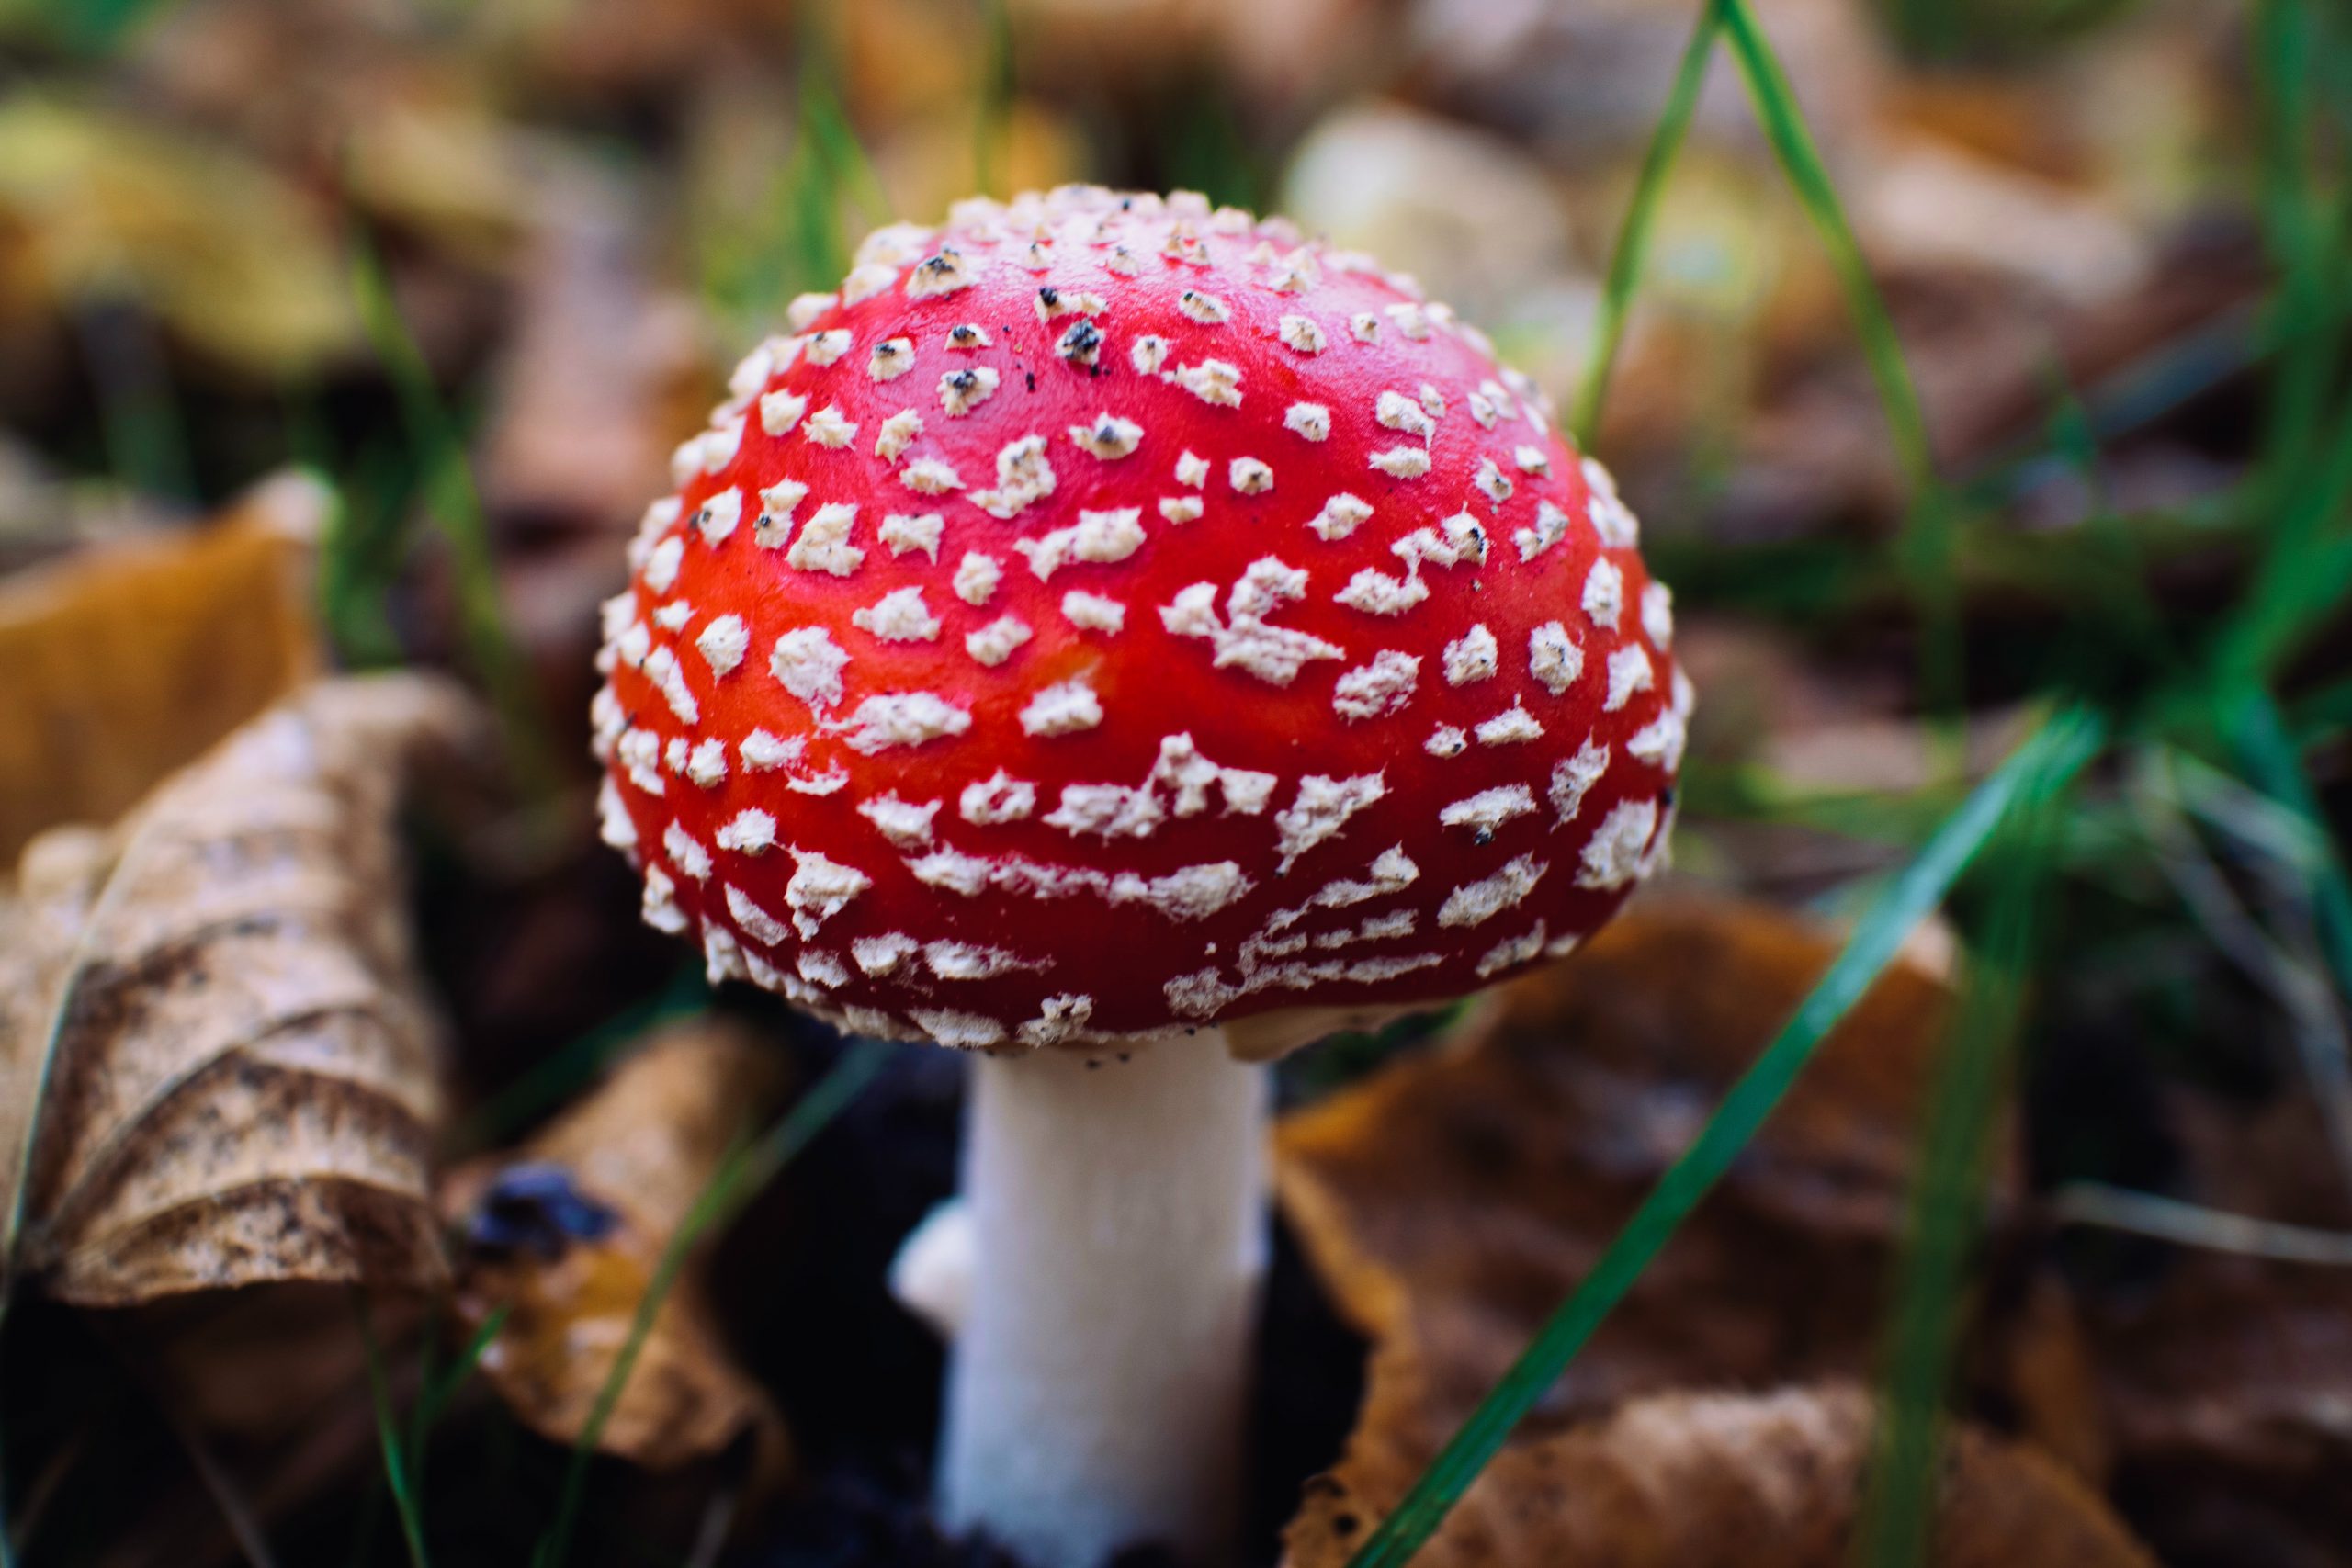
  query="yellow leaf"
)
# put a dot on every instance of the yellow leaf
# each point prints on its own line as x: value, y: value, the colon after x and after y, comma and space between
x: 126, y: 660
x: 102, y: 207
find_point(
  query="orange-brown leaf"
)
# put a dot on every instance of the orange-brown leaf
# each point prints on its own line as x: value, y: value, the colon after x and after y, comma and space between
x: 637, y: 1153
x: 1734, y: 1481
x: 128, y: 661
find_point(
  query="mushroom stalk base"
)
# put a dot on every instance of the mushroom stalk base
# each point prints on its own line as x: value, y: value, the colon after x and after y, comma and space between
x: 1098, y: 1384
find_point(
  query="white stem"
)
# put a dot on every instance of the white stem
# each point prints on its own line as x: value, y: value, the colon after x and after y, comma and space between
x: 1098, y: 1386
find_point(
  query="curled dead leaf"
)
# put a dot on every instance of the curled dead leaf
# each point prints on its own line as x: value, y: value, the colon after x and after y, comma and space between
x: 567, y: 1232
x: 130, y: 659
x: 1452, y: 1200
x: 216, y: 1057
x: 1735, y: 1481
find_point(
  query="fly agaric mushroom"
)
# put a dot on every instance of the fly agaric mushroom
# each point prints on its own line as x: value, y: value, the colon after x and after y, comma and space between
x: 1112, y: 633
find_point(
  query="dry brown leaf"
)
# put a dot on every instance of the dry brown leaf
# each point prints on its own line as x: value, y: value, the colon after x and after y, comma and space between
x: 2224, y: 1381
x: 569, y: 1229
x: 127, y: 661
x: 214, y: 1007
x: 1450, y: 1201
x: 1735, y: 1481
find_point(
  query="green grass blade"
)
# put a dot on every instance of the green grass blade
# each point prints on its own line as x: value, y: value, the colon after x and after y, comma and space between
x: 1784, y: 128
x: 1947, y: 1207
x: 396, y: 1476
x: 1930, y: 533
x: 1634, y: 234
x: 455, y: 507
x: 992, y: 138
x: 747, y: 1168
x: 436, y: 1392
x: 2287, y: 47
x: 2271, y: 760
x: 434, y: 1402
x: 555, y: 1078
x: 7, y: 1531
x: 2036, y: 772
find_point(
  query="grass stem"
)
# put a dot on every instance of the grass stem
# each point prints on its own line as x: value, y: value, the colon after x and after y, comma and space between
x: 746, y: 1168
x: 2036, y: 772
x: 1634, y: 234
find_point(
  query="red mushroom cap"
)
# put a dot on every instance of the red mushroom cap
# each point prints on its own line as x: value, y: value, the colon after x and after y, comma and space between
x: 1108, y: 616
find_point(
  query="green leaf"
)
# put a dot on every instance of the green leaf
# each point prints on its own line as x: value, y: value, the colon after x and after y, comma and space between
x: 2037, y: 772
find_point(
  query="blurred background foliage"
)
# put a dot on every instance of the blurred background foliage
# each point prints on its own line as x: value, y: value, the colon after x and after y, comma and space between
x: 2078, y: 426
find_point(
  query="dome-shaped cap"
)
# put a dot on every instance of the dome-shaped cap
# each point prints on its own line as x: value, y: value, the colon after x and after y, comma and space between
x: 1109, y: 616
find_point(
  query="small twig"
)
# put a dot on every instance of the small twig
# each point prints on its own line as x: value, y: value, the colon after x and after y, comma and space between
x: 718, y: 1518
x: 2298, y: 986
x: 2191, y: 1224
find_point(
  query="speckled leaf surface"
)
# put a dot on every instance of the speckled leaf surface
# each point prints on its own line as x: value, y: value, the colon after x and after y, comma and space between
x: 567, y: 1232
x: 211, y: 1031
x: 1721, y: 1479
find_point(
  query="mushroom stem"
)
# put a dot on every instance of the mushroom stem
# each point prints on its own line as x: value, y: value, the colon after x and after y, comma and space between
x: 1098, y: 1386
